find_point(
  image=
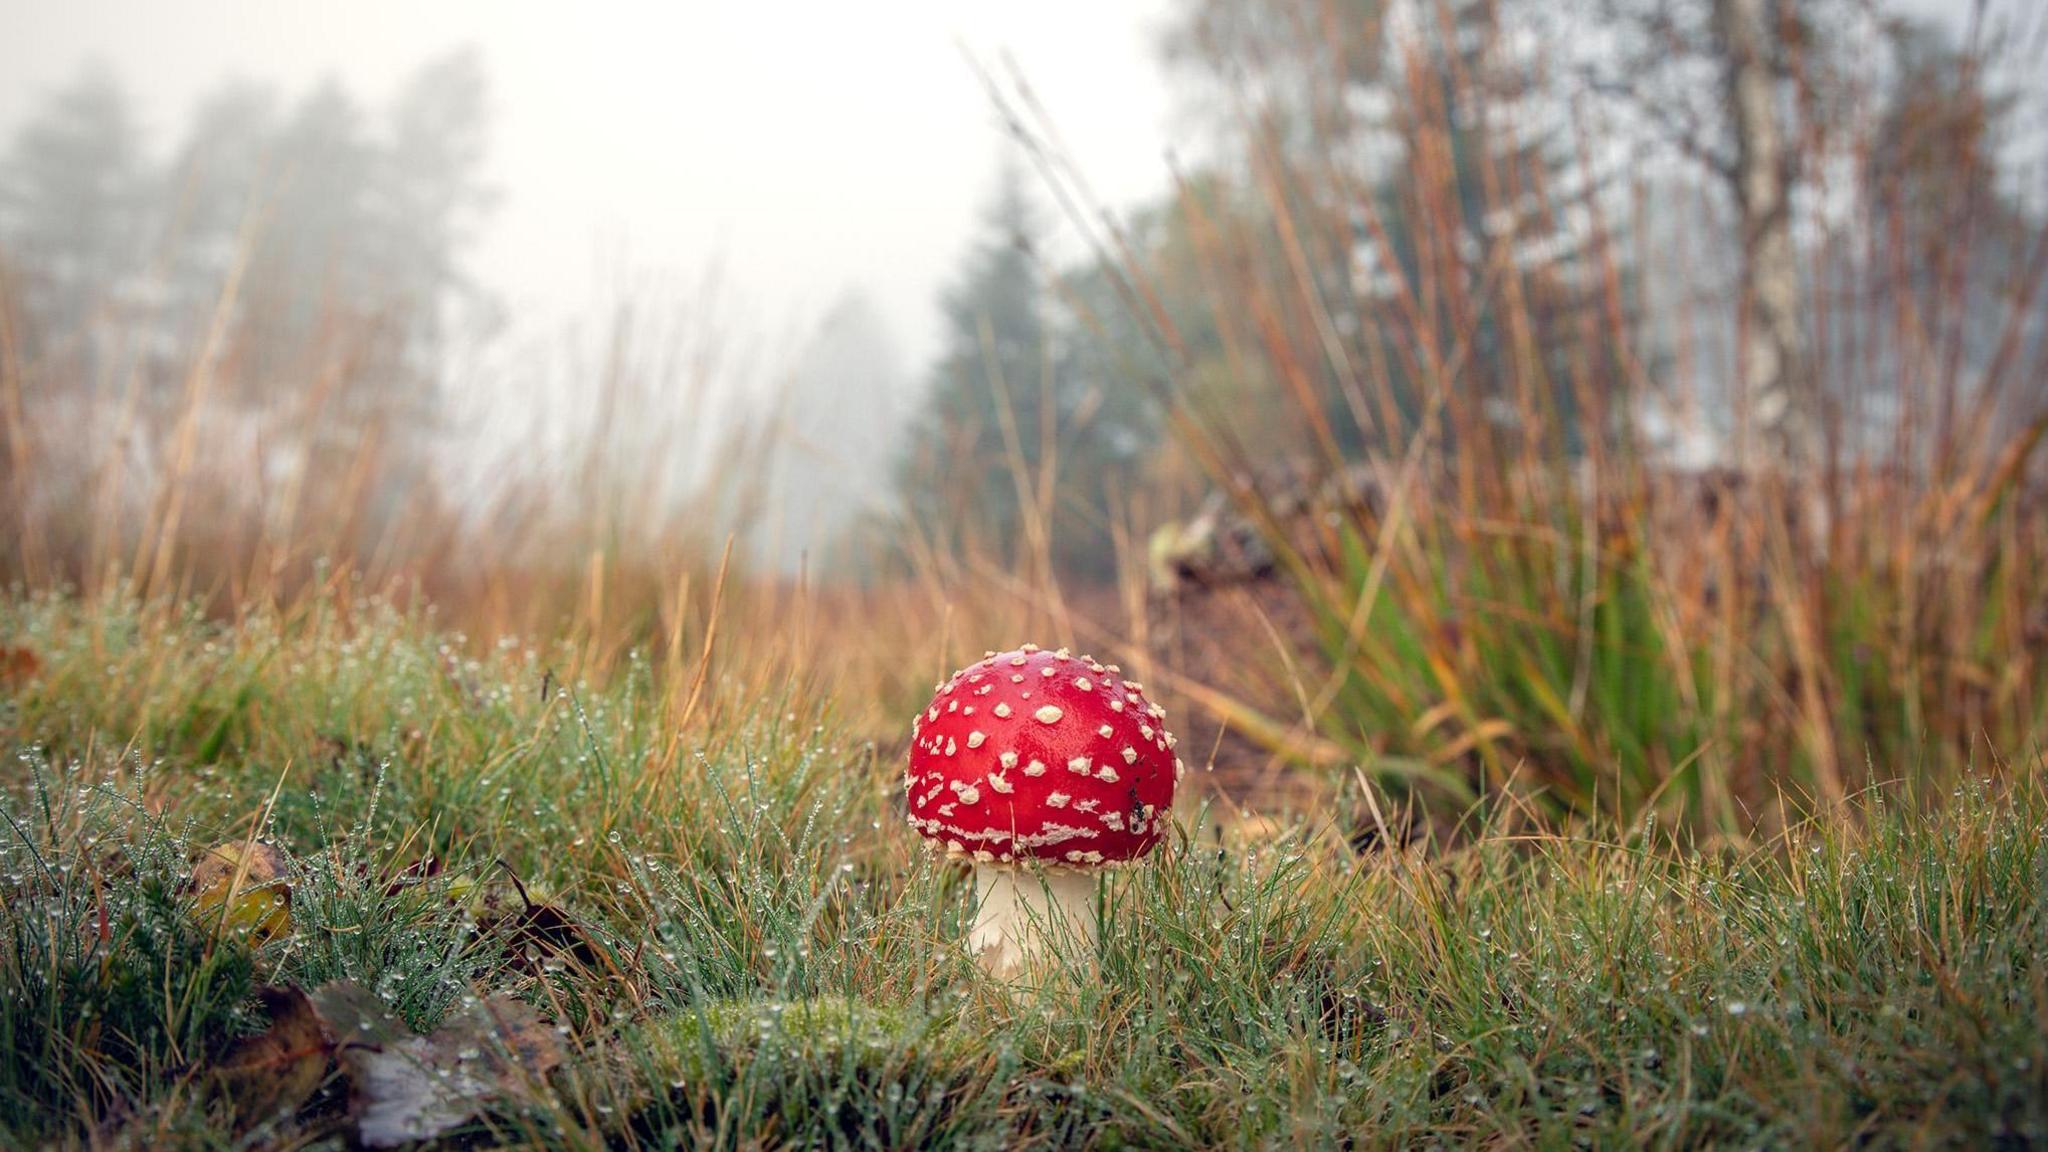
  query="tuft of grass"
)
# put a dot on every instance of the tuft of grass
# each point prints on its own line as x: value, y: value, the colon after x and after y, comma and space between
x: 740, y: 945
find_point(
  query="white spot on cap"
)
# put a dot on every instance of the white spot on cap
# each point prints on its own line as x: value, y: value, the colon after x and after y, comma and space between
x: 1057, y: 800
x: 1008, y: 759
x: 1116, y: 705
x: 1105, y: 730
x: 1035, y: 768
x: 1130, y: 754
x: 952, y: 746
x: 1002, y: 786
x: 1027, y: 648
x: 1049, y: 714
x: 1017, y: 678
x: 1084, y: 684
x: 1087, y: 805
x: 1114, y: 821
x: 1079, y: 765
x: 1002, y: 711
x: 976, y: 738
x: 1145, y: 730
x: 952, y: 705
x: 1018, y: 661
x: 1107, y: 775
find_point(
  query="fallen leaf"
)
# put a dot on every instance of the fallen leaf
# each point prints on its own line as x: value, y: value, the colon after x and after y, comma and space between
x: 241, y: 886
x: 406, y: 1087
x: 275, y: 1071
x: 531, y: 929
x: 356, y: 1017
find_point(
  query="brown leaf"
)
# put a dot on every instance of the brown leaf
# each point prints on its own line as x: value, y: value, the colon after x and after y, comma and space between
x: 544, y: 929
x: 532, y: 930
x: 405, y: 1087
x: 275, y: 1071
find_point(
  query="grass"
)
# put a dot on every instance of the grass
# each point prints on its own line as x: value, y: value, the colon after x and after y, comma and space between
x: 1735, y: 803
x: 748, y: 950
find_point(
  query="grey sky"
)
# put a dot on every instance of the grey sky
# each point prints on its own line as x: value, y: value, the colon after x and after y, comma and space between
x: 805, y: 148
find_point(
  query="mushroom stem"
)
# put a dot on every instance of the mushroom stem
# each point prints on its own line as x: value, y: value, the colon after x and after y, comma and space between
x: 1024, y: 916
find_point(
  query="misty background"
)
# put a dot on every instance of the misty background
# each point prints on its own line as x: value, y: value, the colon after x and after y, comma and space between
x: 526, y: 268
x: 775, y: 197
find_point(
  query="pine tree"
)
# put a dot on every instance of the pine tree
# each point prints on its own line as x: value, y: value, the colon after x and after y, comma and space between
x: 980, y: 432
x: 1022, y: 443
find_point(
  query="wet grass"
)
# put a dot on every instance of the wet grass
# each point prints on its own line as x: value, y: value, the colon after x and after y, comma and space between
x: 742, y: 947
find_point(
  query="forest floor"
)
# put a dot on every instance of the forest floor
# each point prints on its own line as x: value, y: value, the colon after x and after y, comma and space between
x: 509, y: 909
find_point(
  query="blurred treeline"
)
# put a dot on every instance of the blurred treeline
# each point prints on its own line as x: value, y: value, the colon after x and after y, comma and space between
x: 303, y: 258
x: 1639, y: 399
x: 1745, y: 233
x: 285, y: 262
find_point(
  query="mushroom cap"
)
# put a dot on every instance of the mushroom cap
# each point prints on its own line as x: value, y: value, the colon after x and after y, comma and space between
x: 1036, y: 755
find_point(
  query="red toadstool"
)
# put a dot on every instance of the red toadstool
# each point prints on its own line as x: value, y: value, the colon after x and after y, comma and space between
x: 1041, y: 768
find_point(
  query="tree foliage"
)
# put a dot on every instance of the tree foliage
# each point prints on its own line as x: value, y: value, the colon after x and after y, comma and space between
x: 297, y: 264
x: 1022, y: 427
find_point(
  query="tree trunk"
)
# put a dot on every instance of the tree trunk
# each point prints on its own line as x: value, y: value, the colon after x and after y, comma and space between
x: 1781, y: 410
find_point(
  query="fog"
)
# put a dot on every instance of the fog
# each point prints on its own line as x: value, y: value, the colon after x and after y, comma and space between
x: 386, y: 280
x: 801, y: 149
x: 731, y: 175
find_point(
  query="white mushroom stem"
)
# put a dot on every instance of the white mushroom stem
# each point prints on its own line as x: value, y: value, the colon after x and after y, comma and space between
x: 1026, y: 917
